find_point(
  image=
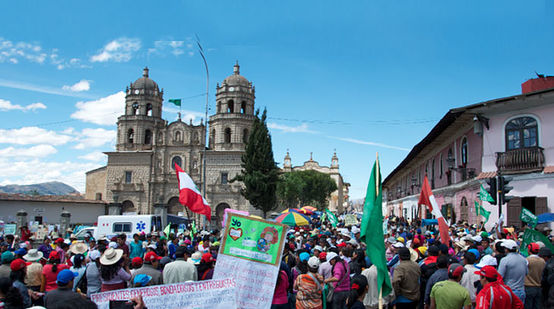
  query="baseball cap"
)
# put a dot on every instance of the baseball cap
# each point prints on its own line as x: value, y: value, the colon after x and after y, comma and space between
x: 21, y: 251
x: 136, y: 261
x: 151, y: 257
x: 456, y: 270
x: 487, y: 260
x: 7, y: 257
x: 398, y: 245
x: 18, y: 264
x: 54, y: 255
x: 331, y: 255
x: 207, y: 258
x: 534, y: 248
x: 141, y: 280
x: 323, y: 256
x: 59, y: 240
x: 304, y: 256
x: 65, y: 276
x: 314, y: 262
x: 488, y: 272
x: 475, y: 252
x: 509, y: 244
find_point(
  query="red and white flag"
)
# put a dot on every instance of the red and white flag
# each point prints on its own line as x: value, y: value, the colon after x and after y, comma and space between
x: 428, y: 199
x: 190, y: 196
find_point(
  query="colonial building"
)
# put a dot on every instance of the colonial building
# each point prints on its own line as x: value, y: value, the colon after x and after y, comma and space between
x: 509, y: 136
x: 140, y: 176
x: 338, y: 201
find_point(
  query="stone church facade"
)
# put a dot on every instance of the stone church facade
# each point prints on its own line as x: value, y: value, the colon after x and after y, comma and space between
x: 140, y: 176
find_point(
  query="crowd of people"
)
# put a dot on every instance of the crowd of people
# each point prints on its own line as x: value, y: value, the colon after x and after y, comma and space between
x: 323, y: 266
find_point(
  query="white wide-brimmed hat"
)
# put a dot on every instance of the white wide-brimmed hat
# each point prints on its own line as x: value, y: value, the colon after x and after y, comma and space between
x: 111, y: 256
x: 78, y: 248
x: 33, y: 255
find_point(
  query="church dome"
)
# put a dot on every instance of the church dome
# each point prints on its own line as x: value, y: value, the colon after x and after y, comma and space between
x: 236, y: 79
x: 144, y: 82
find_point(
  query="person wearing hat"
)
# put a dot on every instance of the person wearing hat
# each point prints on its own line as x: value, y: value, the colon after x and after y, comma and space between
x: 33, y: 277
x: 325, y: 268
x: 449, y: 293
x: 64, y: 292
x: 340, y: 278
x: 182, y: 269
x: 150, y: 267
x: 513, y: 269
x: 495, y: 294
x: 114, y: 272
x: 309, y: 286
x: 50, y: 272
x: 206, y: 267
x: 532, y: 282
x: 469, y: 278
x: 404, y: 280
x: 78, y: 267
x: 440, y: 274
x: 17, y: 276
x: 6, y: 258
x: 141, y: 280
x: 92, y: 273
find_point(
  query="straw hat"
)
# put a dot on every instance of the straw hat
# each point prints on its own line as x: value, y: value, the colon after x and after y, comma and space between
x: 78, y: 248
x: 33, y: 255
x: 413, y: 255
x: 111, y: 256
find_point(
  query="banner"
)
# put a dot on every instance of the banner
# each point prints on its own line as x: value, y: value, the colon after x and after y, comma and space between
x: 10, y: 229
x: 331, y: 218
x: 530, y: 236
x: 217, y: 294
x: 528, y: 217
x: 481, y: 211
x: 250, y: 253
x: 350, y: 219
x: 484, y: 195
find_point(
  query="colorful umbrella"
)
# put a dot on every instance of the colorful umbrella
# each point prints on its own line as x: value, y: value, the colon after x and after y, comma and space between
x: 286, y: 211
x: 308, y: 210
x: 293, y: 219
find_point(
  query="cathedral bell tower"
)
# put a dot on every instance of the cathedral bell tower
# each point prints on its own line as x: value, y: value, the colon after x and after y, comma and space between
x: 142, y: 122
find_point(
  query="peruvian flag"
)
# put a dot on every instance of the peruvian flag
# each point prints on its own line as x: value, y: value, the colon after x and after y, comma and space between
x: 428, y: 199
x: 190, y: 196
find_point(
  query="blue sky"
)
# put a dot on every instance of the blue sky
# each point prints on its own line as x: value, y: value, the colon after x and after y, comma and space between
x: 360, y: 76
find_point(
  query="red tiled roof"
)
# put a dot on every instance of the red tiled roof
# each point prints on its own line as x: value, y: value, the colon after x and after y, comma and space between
x: 548, y: 169
x: 485, y: 175
x: 48, y: 198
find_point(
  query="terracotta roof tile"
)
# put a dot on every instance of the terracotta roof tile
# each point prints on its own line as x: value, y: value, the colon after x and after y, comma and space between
x: 549, y: 169
x: 485, y: 175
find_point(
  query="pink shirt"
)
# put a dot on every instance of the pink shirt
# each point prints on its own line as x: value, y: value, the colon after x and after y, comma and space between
x: 51, y: 276
x: 342, y: 269
x: 280, y: 295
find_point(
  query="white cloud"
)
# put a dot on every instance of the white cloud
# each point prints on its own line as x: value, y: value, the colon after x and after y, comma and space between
x: 82, y: 85
x: 360, y: 142
x: 186, y: 115
x: 176, y: 48
x: 14, y: 51
x: 7, y: 106
x: 118, y: 50
x: 96, y: 156
x: 90, y: 138
x: 37, y: 151
x: 303, y: 128
x: 32, y: 135
x: 103, y: 111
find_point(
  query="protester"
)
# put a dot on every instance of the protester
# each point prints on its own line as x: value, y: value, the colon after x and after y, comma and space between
x: 441, y: 274
x: 280, y: 296
x: 33, y: 277
x: 469, y: 278
x: 150, y: 268
x: 114, y: 272
x: 495, y: 294
x: 371, y: 299
x: 532, y: 282
x: 50, y: 272
x: 10, y: 297
x: 309, y: 287
x: 449, y: 294
x: 64, y: 292
x: 92, y: 273
x: 17, y: 276
x: 357, y: 293
x: 180, y: 270
x: 206, y: 267
x: 405, y: 286
x: 6, y: 259
x: 513, y: 269
x: 340, y: 280
x: 78, y: 267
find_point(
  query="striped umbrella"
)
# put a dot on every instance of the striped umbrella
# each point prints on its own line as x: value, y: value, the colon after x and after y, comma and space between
x: 286, y: 211
x: 308, y: 210
x: 293, y: 219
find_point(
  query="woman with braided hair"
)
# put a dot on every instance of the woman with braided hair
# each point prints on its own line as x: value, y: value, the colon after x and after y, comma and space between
x: 358, y: 290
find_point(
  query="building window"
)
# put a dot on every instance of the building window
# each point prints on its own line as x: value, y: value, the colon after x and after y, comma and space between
x: 148, y: 109
x: 522, y: 132
x: 230, y: 106
x: 243, y: 107
x: 245, y: 136
x: 464, y: 151
x: 135, y: 108
x: 131, y: 136
x: 176, y: 160
x: 441, y: 170
x: 98, y: 196
x: 128, y: 176
x: 147, y: 137
x: 227, y: 136
x: 433, y: 174
x: 224, y: 178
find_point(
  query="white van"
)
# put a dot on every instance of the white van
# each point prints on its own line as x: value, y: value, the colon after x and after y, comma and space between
x: 110, y: 226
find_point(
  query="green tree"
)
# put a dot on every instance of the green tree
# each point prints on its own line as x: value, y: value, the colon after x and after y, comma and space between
x: 259, y: 173
x: 290, y: 188
x: 306, y: 188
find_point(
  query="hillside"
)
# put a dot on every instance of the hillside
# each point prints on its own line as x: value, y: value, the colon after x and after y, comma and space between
x: 46, y: 188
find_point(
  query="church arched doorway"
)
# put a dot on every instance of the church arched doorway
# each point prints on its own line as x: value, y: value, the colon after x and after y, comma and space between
x: 464, y: 210
x: 174, y: 206
x: 128, y: 206
x: 220, y: 211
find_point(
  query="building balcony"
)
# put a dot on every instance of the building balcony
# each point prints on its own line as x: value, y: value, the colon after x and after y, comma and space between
x: 523, y: 160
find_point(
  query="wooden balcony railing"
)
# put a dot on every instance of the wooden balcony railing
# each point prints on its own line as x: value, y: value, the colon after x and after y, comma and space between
x: 523, y: 160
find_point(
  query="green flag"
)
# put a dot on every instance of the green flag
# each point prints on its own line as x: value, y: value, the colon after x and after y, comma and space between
x: 531, y: 235
x: 175, y: 101
x: 372, y: 230
x: 528, y: 217
x: 484, y: 195
x: 193, y: 228
x: 480, y: 210
x: 331, y: 217
x: 167, y: 230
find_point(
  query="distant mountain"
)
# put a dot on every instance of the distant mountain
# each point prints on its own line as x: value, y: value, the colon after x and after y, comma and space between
x: 46, y: 188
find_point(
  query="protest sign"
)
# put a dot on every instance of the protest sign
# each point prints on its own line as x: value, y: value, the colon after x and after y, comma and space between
x: 231, y: 210
x: 350, y: 219
x: 528, y: 217
x: 9, y: 229
x: 217, y: 294
x: 250, y: 253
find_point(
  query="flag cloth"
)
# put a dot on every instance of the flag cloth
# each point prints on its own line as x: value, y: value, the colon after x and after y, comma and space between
x: 484, y: 195
x: 530, y: 236
x: 331, y: 217
x: 175, y: 101
x: 371, y: 231
x: 167, y: 230
x: 528, y: 217
x: 190, y: 196
x: 479, y: 209
x: 193, y: 228
x: 428, y: 199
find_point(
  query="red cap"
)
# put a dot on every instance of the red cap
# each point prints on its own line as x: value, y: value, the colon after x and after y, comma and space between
x: 59, y: 240
x: 151, y: 257
x: 207, y: 257
x: 342, y: 244
x: 534, y: 248
x: 323, y: 256
x: 136, y: 261
x: 18, y: 264
x: 54, y: 255
x: 488, y: 272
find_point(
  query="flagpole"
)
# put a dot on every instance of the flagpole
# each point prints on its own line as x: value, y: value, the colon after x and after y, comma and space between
x: 201, y: 51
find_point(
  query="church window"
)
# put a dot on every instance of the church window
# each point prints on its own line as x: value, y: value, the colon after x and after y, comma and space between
x: 243, y: 107
x: 178, y: 136
x: 176, y: 160
x: 130, y: 136
x: 230, y: 106
x: 147, y: 137
x: 98, y: 196
x: 224, y: 178
x: 135, y: 108
x: 228, y: 135
x: 522, y: 132
x: 245, y: 136
x: 148, y: 109
x: 128, y: 176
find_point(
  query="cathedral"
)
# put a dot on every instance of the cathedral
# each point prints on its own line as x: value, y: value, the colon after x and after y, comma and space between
x: 140, y: 176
